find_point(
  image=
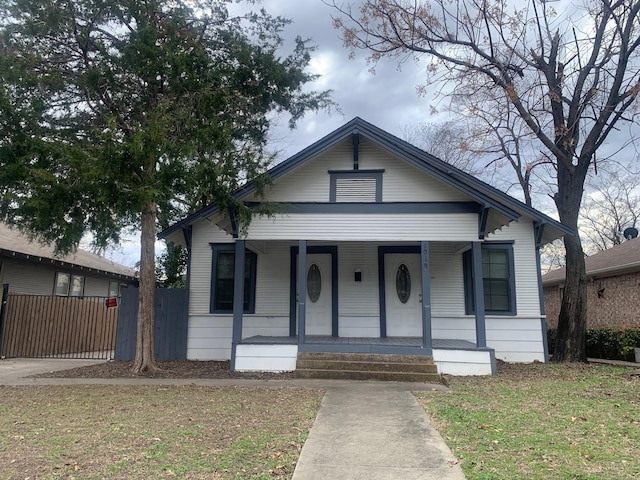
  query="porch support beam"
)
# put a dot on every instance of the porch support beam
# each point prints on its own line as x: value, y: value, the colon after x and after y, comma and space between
x: 302, y: 289
x: 478, y: 294
x: 238, y: 299
x: 426, y: 296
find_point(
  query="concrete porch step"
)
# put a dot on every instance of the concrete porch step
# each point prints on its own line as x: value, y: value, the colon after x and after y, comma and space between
x: 369, y: 375
x: 367, y: 366
x: 365, y: 357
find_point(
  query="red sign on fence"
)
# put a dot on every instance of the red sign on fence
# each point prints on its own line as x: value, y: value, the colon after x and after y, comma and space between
x: 111, y: 302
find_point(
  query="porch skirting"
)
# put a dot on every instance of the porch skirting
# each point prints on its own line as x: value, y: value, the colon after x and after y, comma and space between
x: 279, y: 354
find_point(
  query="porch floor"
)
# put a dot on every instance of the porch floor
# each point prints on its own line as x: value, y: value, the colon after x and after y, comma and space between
x: 437, y: 343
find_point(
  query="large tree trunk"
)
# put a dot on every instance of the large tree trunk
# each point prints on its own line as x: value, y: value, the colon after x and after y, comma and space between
x: 145, y: 356
x: 572, y: 322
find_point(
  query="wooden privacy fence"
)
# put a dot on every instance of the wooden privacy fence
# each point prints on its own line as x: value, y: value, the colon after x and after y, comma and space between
x: 62, y: 327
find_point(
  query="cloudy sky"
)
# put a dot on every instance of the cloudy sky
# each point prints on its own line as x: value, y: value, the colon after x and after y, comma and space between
x: 387, y: 99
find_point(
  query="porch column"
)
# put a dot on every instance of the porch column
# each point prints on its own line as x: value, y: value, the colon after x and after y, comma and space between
x: 426, y: 296
x: 302, y: 289
x: 478, y: 293
x: 238, y: 299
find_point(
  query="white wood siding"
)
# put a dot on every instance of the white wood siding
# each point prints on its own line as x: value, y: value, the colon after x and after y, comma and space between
x: 524, y: 251
x: 273, y: 284
x: 516, y: 338
x: 266, y: 358
x: 358, y: 304
x: 209, y: 337
x: 310, y: 182
x: 447, y: 286
x: 204, y: 233
x: 402, y: 182
x: 369, y: 227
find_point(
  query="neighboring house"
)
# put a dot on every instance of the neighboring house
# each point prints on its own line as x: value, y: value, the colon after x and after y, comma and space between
x: 377, y: 247
x: 613, y: 288
x: 33, y: 268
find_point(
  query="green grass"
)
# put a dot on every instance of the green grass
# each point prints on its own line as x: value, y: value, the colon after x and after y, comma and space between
x: 150, y: 432
x: 543, y: 422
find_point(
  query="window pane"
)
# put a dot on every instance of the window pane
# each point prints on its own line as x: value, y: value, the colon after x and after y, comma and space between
x: 225, y: 265
x: 314, y: 283
x: 114, y: 289
x: 495, y: 263
x: 224, y: 294
x: 62, y: 284
x: 77, y: 286
x: 403, y: 283
x: 496, y: 294
x: 224, y: 281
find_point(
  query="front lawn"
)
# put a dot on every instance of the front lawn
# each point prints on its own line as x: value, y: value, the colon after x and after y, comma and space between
x: 152, y: 432
x: 543, y: 422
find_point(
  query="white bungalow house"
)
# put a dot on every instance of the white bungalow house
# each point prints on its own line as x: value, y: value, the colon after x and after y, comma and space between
x: 378, y: 247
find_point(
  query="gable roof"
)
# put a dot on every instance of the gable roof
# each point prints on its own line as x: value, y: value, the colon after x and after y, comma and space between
x: 16, y: 244
x: 478, y: 190
x: 619, y: 259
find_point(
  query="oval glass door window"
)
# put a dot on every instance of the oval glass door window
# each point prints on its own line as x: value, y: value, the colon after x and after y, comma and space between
x: 314, y: 283
x: 403, y: 283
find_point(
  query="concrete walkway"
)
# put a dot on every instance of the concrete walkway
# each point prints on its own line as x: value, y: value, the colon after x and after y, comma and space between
x: 374, y: 431
x: 364, y: 430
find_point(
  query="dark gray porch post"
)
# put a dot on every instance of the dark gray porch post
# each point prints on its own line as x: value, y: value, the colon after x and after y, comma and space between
x: 478, y: 293
x: 426, y: 296
x: 238, y: 300
x: 302, y: 289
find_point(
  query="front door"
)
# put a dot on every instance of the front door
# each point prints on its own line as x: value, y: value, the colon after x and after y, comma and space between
x: 319, y: 294
x: 403, y: 294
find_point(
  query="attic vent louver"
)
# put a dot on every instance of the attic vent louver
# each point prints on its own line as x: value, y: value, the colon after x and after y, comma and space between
x: 356, y: 186
x: 362, y: 189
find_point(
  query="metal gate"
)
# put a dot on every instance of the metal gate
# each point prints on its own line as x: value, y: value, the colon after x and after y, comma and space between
x: 58, y: 327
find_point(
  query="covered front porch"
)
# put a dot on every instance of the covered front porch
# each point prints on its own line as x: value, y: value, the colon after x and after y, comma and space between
x: 278, y: 352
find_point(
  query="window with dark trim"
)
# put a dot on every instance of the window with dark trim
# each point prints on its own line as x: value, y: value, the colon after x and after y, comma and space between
x: 69, y: 285
x: 498, y: 280
x: 222, y: 284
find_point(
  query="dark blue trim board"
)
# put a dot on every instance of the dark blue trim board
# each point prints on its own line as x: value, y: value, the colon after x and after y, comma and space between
x: 238, y: 300
x: 294, y: 280
x: 426, y: 295
x: 373, y: 208
x: 478, y: 294
x: 355, y: 140
x: 302, y: 290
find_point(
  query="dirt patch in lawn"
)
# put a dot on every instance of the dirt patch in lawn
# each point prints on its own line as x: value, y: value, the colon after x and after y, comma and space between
x: 175, y: 369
